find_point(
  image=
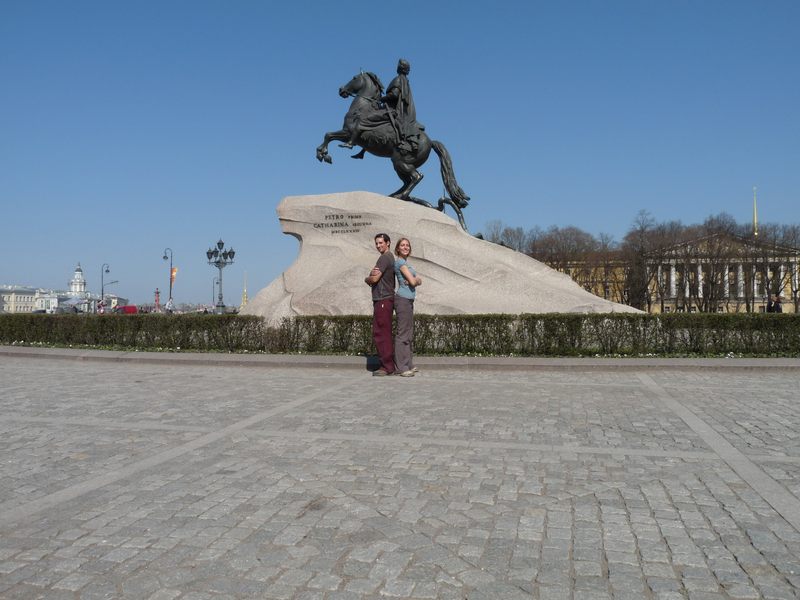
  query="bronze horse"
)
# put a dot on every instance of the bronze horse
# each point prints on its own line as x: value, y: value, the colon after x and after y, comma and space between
x: 370, y: 124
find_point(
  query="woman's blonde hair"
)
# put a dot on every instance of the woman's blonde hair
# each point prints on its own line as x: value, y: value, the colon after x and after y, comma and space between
x: 397, y: 246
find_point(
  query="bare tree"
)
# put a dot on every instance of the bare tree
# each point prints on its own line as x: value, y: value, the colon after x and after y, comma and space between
x: 514, y: 238
x: 715, y: 250
x: 534, y: 238
x: 605, y: 266
x: 562, y: 247
x: 493, y: 231
x: 635, y: 248
x: 664, y: 237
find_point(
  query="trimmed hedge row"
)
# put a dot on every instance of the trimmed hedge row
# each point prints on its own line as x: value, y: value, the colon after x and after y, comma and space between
x: 228, y: 333
x: 524, y: 335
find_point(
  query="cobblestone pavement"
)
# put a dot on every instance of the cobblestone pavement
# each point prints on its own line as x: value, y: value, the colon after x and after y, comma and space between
x: 161, y: 482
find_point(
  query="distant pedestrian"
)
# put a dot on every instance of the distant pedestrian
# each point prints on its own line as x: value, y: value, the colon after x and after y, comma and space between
x: 776, y: 304
x: 407, y: 283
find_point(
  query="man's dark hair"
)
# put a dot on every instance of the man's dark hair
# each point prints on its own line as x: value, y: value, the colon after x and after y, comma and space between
x: 383, y: 236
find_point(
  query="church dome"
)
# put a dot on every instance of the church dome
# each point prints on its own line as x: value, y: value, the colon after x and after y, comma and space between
x: 77, y: 284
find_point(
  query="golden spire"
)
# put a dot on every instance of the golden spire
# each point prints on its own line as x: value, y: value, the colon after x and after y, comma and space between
x: 755, y: 214
x: 244, y: 290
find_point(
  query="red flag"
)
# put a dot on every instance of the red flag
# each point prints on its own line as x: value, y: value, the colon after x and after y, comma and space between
x: 172, y: 274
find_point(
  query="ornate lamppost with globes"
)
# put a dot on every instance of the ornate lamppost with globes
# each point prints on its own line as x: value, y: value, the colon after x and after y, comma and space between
x: 220, y: 258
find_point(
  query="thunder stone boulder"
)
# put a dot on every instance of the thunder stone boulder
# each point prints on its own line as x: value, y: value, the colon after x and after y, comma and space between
x: 461, y: 274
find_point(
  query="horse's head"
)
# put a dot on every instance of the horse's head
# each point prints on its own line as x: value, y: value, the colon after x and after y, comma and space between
x: 365, y: 85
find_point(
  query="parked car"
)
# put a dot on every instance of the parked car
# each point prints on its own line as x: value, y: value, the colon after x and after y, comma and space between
x: 128, y: 309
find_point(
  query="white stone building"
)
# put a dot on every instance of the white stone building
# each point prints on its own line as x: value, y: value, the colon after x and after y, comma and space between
x: 23, y: 299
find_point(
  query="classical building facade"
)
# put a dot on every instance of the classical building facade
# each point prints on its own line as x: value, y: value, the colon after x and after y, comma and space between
x: 723, y: 273
x: 716, y: 273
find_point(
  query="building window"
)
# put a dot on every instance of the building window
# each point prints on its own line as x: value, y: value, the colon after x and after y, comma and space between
x: 666, y: 309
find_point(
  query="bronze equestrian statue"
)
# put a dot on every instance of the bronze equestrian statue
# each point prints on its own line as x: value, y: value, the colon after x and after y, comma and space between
x: 387, y: 126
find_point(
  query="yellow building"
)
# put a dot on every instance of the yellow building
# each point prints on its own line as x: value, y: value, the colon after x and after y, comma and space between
x: 18, y: 299
x: 717, y: 273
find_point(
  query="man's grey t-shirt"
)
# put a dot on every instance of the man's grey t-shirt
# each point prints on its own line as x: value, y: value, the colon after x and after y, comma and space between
x: 385, y: 287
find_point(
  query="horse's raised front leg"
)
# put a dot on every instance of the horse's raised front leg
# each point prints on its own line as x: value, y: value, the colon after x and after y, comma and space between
x: 322, y: 149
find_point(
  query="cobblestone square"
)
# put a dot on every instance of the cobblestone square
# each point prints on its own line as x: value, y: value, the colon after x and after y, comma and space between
x: 177, y: 481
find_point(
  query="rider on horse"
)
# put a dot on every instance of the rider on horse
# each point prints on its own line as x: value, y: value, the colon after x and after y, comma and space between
x: 400, y: 111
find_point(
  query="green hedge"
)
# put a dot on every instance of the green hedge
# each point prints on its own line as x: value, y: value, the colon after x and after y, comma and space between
x: 523, y: 335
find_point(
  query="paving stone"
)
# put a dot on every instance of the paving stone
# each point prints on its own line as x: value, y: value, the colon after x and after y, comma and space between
x: 166, y: 482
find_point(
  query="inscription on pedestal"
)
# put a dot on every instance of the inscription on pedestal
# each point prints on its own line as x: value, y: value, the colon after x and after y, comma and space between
x: 340, y: 223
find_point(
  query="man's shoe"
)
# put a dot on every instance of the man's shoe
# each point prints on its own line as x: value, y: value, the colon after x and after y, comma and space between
x: 415, y: 369
x: 409, y: 373
x: 380, y: 373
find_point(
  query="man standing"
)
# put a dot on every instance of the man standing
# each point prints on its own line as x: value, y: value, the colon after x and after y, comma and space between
x: 381, y: 278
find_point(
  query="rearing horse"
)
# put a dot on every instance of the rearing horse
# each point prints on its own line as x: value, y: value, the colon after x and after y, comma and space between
x: 370, y: 125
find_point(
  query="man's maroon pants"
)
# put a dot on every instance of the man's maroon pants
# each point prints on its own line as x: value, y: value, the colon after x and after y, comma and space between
x: 382, y: 332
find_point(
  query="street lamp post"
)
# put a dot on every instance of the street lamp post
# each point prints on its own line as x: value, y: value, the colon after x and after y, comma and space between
x: 214, y: 283
x: 170, y: 268
x: 220, y: 258
x: 103, y: 270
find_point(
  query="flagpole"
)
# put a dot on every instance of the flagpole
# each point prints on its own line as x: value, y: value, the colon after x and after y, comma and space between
x: 755, y: 214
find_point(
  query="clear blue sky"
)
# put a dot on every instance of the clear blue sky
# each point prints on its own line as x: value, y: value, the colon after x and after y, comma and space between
x: 128, y: 127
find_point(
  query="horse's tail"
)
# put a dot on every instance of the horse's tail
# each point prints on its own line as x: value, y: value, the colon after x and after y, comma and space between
x: 448, y: 176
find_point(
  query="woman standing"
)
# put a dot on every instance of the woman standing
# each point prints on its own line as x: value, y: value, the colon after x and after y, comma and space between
x: 407, y: 282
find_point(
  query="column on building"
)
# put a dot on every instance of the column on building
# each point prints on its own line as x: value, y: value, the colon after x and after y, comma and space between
x: 781, y: 275
x: 660, y: 281
x: 726, y: 284
x: 686, y: 282
x: 739, y: 280
x: 699, y: 280
x: 672, y: 287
